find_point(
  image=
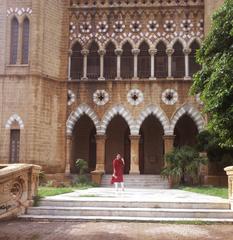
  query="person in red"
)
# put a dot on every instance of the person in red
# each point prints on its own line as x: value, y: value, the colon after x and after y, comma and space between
x: 118, y: 170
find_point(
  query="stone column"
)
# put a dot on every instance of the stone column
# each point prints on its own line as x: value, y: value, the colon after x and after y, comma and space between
x: 187, y: 51
x: 101, y: 53
x: 118, y: 52
x: 152, y: 53
x: 68, y: 154
x: 69, y: 64
x: 20, y: 43
x: 85, y: 53
x: 169, y: 52
x: 229, y: 172
x: 168, y: 143
x: 135, y: 53
x: 134, y: 148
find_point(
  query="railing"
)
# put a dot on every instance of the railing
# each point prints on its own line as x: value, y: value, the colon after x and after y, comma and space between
x: 229, y: 171
x: 18, y: 186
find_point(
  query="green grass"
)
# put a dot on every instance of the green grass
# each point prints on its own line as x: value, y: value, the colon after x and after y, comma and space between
x: 213, y: 191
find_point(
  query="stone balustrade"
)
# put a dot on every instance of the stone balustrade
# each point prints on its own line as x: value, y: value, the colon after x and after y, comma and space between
x: 18, y: 186
x: 229, y: 172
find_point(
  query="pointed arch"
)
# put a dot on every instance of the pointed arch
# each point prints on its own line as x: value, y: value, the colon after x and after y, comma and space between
x: 110, y: 61
x: 74, y: 42
x: 129, y: 40
x: 194, y: 39
x: 163, y: 40
x: 14, y: 40
x: 91, y: 42
x: 127, y: 61
x: 93, y: 61
x: 180, y: 40
x: 14, y: 118
x: 117, y: 110
x: 76, y: 61
x: 108, y: 41
x: 75, y: 115
x: 161, y: 59
x: 178, y: 60
x: 192, y: 112
x: 158, y: 113
x: 144, y: 60
x: 144, y: 40
x: 25, y: 40
x: 194, y: 66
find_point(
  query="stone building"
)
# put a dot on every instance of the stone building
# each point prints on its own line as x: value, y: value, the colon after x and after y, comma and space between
x: 91, y: 78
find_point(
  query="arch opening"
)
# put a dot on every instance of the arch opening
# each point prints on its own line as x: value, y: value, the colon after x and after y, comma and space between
x: 93, y: 62
x: 144, y: 61
x: 178, y: 61
x: 193, y: 65
x: 127, y: 61
x: 161, y: 61
x: 76, y: 71
x: 110, y: 62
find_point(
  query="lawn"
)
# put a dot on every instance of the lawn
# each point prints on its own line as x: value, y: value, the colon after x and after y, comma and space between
x: 213, y: 191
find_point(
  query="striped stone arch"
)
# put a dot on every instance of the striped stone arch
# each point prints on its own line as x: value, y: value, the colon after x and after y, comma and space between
x: 158, y: 113
x: 79, y: 112
x: 117, y: 110
x: 14, y: 118
x: 192, y: 112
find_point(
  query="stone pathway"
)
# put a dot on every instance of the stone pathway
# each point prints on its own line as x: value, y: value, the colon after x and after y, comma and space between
x: 18, y: 230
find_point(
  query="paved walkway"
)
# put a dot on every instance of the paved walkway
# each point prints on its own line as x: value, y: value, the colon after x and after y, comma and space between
x: 112, y: 231
x: 148, y: 195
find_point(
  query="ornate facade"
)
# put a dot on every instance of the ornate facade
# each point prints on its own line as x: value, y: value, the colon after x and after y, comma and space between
x: 89, y: 79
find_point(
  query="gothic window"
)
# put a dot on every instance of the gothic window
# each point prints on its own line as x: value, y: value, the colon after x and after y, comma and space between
x: 193, y: 65
x: 161, y: 61
x: 14, y: 145
x: 127, y: 62
x: 110, y: 62
x: 14, y: 40
x: 144, y: 61
x: 76, y: 68
x: 25, y: 48
x: 93, y: 62
x: 178, y: 64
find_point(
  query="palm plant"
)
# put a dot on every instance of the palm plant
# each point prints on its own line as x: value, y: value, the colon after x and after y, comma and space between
x: 82, y: 165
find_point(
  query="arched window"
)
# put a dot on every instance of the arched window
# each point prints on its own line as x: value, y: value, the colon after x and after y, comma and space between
x: 110, y: 62
x: 14, y: 40
x: 161, y: 61
x: 144, y: 61
x: 14, y: 145
x: 178, y: 64
x: 25, y: 48
x: 193, y: 65
x: 93, y: 62
x: 76, y: 67
x: 127, y: 62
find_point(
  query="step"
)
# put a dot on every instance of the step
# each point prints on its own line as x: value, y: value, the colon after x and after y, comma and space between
x: 126, y: 203
x: 131, y: 212
x: 49, y: 218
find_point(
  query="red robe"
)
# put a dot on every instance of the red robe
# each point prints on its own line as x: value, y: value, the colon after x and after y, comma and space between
x: 118, y: 166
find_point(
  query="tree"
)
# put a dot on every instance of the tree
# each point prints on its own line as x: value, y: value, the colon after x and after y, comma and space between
x: 214, y: 81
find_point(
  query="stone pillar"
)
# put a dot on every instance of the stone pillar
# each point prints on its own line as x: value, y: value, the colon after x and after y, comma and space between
x: 68, y: 154
x: 169, y: 52
x: 152, y: 53
x: 85, y: 53
x: 101, y: 53
x: 69, y: 65
x: 187, y: 51
x: 168, y: 143
x: 118, y: 52
x: 135, y: 53
x: 134, y: 161
x: 229, y: 172
x: 20, y: 43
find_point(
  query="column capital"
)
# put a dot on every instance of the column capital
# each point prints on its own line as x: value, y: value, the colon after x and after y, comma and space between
x: 118, y: 51
x: 134, y: 137
x: 152, y: 51
x: 85, y: 52
x: 187, y: 51
x: 70, y: 52
x: 169, y: 51
x: 100, y: 136
x: 135, y: 51
x: 102, y: 52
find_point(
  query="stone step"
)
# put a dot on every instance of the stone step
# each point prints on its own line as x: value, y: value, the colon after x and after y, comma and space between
x: 131, y: 212
x: 49, y: 218
x: 126, y: 203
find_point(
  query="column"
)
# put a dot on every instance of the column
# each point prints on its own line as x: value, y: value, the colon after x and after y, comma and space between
x: 135, y: 53
x: 101, y: 53
x: 118, y: 52
x: 187, y: 51
x: 68, y: 154
x: 134, y: 153
x: 169, y: 52
x: 100, y: 153
x: 69, y: 64
x: 20, y: 42
x: 85, y: 53
x: 168, y: 143
x: 152, y: 53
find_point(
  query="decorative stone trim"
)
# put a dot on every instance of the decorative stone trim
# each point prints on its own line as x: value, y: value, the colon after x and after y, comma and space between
x: 85, y: 27
x: 170, y: 96
x: 14, y: 117
x: 135, y: 97
x: 100, y: 97
x: 158, y: 113
x: 135, y: 26
x: 186, y: 25
x: 200, y: 25
x: 102, y: 27
x: 80, y: 111
x: 119, y: 26
x: 19, y: 11
x: 198, y: 99
x: 71, y: 97
x: 192, y: 112
x: 152, y: 26
x: 169, y: 26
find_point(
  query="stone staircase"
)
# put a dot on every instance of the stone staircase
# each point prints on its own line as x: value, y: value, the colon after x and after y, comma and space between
x: 139, y: 181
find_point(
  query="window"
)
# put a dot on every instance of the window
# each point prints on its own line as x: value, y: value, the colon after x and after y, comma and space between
x: 14, y: 145
x: 25, y: 48
x: 93, y: 62
x: 178, y: 64
x: 193, y: 65
x: 144, y: 61
x: 14, y: 40
x: 161, y: 61
x: 110, y: 62
x: 127, y: 62
x: 76, y: 71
